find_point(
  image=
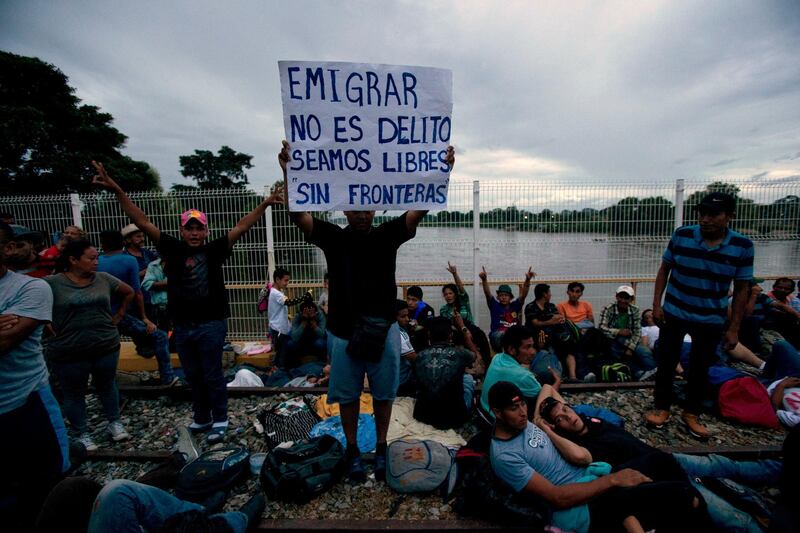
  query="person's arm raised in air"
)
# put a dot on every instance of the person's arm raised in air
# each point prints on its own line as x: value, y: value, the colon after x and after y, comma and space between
x: 247, y: 221
x: 487, y: 292
x: 526, y: 286
x: 456, y: 278
x: 301, y: 219
x: 413, y: 218
x: 103, y: 180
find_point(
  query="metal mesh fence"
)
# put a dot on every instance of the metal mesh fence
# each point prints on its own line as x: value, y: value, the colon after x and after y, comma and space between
x: 600, y: 233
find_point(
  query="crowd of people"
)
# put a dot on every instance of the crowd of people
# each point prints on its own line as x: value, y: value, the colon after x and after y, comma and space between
x: 64, y: 307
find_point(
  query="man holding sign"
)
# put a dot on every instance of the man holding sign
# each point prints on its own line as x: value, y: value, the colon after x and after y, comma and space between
x: 352, y: 140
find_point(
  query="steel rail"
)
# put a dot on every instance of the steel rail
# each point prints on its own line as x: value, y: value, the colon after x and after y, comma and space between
x: 141, y: 391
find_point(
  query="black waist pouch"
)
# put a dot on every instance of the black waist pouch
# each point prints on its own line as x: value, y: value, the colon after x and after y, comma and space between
x: 369, y: 338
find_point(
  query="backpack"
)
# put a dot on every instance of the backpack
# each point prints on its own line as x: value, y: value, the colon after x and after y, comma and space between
x: 617, y: 372
x: 262, y: 306
x: 483, y: 495
x: 213, y: 471
x: 420, y: 466
x: 746, y: 400
x: 304, y: 470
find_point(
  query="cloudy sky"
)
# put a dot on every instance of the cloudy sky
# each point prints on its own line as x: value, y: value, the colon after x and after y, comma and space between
x: 623, y: 90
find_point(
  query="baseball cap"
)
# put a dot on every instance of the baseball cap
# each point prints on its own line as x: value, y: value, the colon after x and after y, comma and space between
x: 23, y: 234
x: 627, y: 289
x: 502, y: 394
x: 546, y: 407
x: 129, y: 230
x: 194, y: 214
x: 505, y: 288
x: 718, y: 202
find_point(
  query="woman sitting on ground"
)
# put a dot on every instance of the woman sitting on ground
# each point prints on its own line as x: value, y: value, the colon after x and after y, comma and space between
x: 456, y: 301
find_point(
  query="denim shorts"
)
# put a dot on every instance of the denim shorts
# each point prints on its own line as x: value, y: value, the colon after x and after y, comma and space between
x: 347, y: 373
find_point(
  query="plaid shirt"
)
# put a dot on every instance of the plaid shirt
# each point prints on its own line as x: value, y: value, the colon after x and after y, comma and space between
x: 608, y: 321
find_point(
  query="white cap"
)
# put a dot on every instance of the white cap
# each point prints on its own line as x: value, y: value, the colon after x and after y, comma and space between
x: 129, y: 229
x: 627, y: 289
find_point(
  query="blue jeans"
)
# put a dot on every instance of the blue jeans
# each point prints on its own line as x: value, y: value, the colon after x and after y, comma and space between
x: 724, y: 515
x: 541, y: 364
x: 136, y: 329
x: 642, y: 359
x: 74, y: 379
x: 280, y: 344
x: 200, y: 351
x: 125, y: 506
x: 469, y: 390
x: 784, y: 361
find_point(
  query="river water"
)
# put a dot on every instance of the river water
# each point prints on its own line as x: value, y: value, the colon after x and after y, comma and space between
x: 561, y: 256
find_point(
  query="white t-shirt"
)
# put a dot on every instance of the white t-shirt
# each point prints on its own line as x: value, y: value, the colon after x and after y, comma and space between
x: 278, y: 313
x: 651, y: 332
x: 789, y: 413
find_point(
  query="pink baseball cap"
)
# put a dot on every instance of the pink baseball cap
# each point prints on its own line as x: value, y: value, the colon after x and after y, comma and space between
x: 194, y: 214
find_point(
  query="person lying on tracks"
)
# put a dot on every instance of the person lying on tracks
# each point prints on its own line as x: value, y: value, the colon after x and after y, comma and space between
x: 611, y: 444
x: 533, y: 458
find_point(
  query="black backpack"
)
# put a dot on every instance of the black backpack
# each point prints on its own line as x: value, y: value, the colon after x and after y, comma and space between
x: 483, y: 495
x: 304, y: 470
x: 213, y: 471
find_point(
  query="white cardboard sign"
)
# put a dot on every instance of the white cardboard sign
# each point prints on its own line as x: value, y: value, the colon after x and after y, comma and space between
x: 366, y: 137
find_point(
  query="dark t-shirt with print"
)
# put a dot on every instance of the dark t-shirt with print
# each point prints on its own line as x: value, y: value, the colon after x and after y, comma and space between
x: 440, y: 385
x: 361, y: 270
x: 504, y: 316
x: 195, y: 284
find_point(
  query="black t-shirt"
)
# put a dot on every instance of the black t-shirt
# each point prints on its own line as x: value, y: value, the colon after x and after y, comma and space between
x: 195, y: 285
x: 440, y: 385
x: 361, y: 271
x: 609, y: 443
x: 533, y: 311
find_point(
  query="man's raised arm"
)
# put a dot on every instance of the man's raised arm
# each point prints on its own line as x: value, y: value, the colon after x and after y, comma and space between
x: 102, y: 179
x: 413, y: 218
x: 301, y: 219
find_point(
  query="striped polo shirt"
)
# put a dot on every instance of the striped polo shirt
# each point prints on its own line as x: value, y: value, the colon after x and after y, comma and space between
x: 701, y: 277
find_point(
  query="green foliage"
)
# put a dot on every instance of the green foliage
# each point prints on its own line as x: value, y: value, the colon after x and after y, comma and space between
x: 222, y: 171
x: 48, y: 139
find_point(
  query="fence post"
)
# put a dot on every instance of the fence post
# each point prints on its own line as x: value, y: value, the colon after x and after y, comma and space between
x: 75, y: 204
x: 476, y: 226
x: 679, y: 189
x: 270, y: 243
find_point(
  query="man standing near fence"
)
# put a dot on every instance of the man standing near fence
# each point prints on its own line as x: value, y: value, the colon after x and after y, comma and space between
x: 697, y: 269
x: 198, y: 304
x: 363, y: 291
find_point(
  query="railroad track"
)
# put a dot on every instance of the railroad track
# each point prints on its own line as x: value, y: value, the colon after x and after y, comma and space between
x: 139, y: 391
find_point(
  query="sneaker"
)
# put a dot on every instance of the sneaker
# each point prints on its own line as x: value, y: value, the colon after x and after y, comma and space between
x: 174, y: 380
x: 117, y: 431
x: 217, y: 433
x: 648, y: 375
x: 195, y: 428
x: 590, y: 378
x: 355, y: 471
x: 694, y: 427
x: 656, y: 418
x: 86, y: 441
x: 380, y: 467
